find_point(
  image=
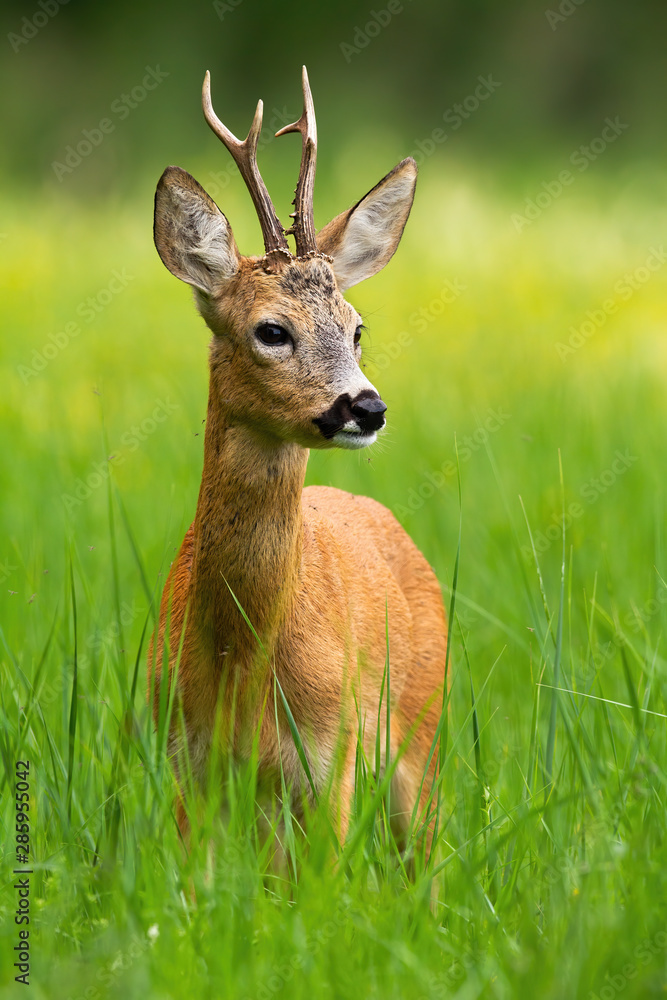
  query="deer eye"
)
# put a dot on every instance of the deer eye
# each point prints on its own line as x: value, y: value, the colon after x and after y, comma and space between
x: 357, y: 334
x: 272, y: 334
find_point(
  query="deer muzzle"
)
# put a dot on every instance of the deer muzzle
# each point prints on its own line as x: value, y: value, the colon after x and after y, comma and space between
x: 353, y: 423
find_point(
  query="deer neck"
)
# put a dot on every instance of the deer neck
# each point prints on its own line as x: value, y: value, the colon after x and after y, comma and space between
x: 247, y: 535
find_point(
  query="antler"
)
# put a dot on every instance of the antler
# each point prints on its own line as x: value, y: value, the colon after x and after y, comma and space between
x: 303, y: 226
x: 245, y: 156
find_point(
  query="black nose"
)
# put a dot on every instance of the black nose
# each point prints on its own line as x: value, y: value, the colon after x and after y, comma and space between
x: 369, y: 412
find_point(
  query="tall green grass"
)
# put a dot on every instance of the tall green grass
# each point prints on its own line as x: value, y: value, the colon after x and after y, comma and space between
x: 548, y: 879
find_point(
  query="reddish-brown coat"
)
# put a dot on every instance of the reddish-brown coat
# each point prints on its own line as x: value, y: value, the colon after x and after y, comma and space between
x: 320, y: 574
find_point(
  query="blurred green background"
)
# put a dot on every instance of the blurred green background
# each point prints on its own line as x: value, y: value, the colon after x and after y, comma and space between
x: 388, y: 81
x: 522, y: 320
x: 563, y: 67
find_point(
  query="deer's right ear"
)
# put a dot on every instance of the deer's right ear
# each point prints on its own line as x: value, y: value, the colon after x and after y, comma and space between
x: 191, y: 234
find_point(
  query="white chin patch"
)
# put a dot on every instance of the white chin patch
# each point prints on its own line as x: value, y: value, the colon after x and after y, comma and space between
x: 354, y: 439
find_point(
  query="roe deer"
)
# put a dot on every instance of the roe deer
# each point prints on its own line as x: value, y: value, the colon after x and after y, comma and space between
x: 319, y: 573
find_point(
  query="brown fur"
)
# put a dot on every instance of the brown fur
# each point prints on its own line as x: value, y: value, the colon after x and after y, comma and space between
x: 317, y: 571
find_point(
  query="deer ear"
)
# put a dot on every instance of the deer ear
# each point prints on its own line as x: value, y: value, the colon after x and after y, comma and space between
x: 191, y: 234
x: 364, y: 239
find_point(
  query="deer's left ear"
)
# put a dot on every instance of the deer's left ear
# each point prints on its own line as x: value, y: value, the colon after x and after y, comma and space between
x: 363, y: 239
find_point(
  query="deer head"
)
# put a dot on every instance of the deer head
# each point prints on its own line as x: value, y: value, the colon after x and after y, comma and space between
x: 286, y: 345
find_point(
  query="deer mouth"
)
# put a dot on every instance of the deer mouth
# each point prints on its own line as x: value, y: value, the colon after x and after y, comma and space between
x: 351, y: 436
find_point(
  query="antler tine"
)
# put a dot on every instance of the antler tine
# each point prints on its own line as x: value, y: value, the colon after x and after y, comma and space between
x: 303, y: 226
x: 245, y: 156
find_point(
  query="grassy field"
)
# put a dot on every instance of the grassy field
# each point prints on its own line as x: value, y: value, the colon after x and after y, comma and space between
x: 529, y: 348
